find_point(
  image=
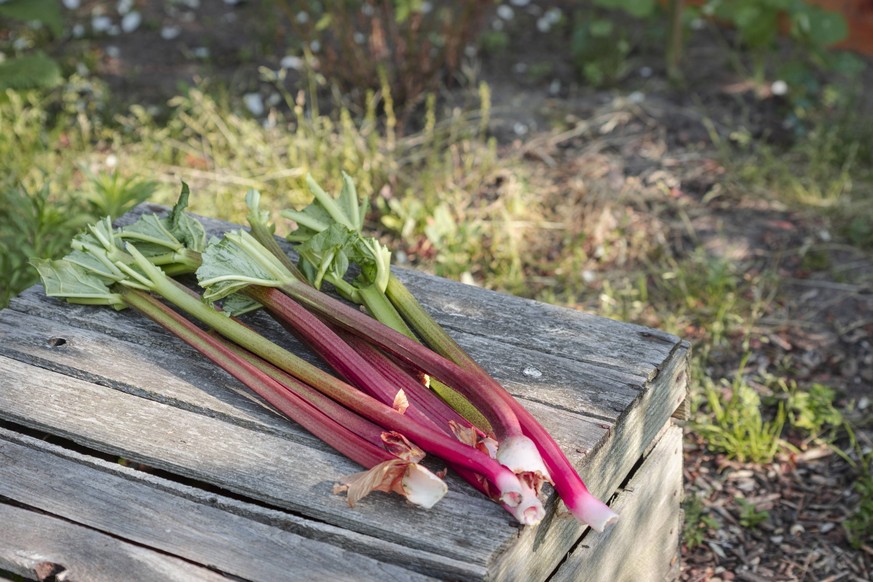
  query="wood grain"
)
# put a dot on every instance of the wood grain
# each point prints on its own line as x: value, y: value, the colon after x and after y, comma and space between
x: 114, y: 499
x: 647, y: 536
x: 41, y: 547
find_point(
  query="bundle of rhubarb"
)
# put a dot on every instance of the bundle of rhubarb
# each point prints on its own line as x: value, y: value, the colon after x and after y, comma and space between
x: 401, y: 387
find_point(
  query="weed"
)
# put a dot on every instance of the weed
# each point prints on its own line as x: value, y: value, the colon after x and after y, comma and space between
x: 749, y: 515
x: 698, y: 523
x: 736, y: 423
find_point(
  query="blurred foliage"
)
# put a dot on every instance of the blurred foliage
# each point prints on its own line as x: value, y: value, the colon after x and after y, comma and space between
x: 412, y: 46
x: 30, y: 69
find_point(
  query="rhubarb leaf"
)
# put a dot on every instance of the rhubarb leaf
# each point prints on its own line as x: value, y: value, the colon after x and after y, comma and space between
x: 236, y: 261
x: 325, y: 210
x: 70, y: 281
x: 184, y: 227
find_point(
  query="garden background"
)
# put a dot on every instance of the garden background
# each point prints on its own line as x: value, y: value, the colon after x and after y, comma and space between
x: 701, y: 167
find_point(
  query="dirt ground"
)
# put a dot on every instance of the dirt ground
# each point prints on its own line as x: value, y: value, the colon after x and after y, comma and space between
x: 643, y: 131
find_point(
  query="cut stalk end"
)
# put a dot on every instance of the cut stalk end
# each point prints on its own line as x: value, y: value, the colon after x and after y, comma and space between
x: 520, y: 455
x: 594, y: 512
x: 421, y: 487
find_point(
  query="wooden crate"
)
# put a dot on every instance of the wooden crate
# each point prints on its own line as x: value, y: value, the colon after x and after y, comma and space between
x: 215, y: 486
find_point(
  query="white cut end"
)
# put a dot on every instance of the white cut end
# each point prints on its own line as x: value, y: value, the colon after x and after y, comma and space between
x: 422, y: 487
x: 511, y: 491
x: 520, y: 455
x: 530, y: 510
x: 594, y: 512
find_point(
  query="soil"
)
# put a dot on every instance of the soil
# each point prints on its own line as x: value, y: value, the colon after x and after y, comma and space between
x: 641, y: 131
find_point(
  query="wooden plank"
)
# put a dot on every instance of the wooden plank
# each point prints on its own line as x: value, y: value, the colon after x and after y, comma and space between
x: 41, y: 547
x: 533, y: 375
x: 119, y: 501
x: 259, y: 466
x: 603, y: 468
x: 643, y: 545
x: 515, y: 321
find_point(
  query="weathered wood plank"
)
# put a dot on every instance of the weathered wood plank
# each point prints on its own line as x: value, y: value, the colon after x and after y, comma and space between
x: 118, y: 501
x: 258, y: 465
x: 643, y: 545
x: 604, y: 468
x: 515, y: 321
x: 41, y: 547
x: 558, y: 381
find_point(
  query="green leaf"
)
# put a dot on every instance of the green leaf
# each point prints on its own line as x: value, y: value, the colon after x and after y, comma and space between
x: 184, y: 227
x: 327, y: 253
x: 34, y: 71
x: 238, y: 304
x: 820, y: 27
x: 70, y: 281
x: 97, y: 264
x: 235, y: 262
x: 46, y: 11
x: 151, y: 235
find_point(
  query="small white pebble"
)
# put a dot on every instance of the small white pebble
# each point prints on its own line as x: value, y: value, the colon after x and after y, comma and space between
x: 72, y: 4
x: 645, y: 72
x: 636, y: 97
x: 131, y: 21
x: 292, y: 62
x: 101, y: 23
x: 555, y: 87
x: 589, y: 276
x: 426, y: 7
x: 779, y: 87
x: 254, y: 103
x: 497, y: 24
x: 232, y: 2
x: 170, y: 32
x: 78, y: 30
x: 111, y: 161
x: 532, y: 372
x: 519, y: 3
x: 302, y: 17
x: 124, y: 6
x: 315, y: 46
x: 201, y: 52
x: 519, y: 128
x: 505, y: 12
x: 359, y: 37
x: 113, y: 52
x: 553, y: 15
x: 543, y: 24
